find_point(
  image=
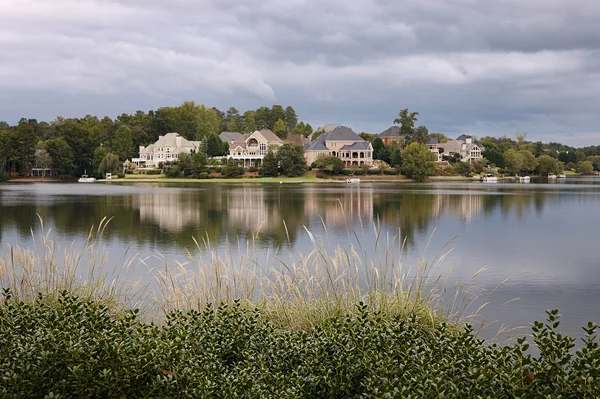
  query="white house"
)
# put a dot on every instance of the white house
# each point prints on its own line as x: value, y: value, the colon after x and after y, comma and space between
x: 465, y: 147
x: 166, y: 149
x: 249, y: 150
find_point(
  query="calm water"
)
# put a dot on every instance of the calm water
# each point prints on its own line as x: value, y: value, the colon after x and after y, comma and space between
x: 542, y: 236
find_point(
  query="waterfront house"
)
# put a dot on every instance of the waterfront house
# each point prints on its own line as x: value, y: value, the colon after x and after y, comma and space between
x: 343, y: 143
x: 390, y: 135
x: 166, y: 149
x: 465, y: 146
x: 250, y: 149
x: 433, y: 145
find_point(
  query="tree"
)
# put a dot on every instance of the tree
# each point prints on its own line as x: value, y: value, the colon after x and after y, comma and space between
x: 418, y: 162
x: 215, y: 146
x: 291, y: 159
x: 270, y: 164
x: 277, y: 113
x: 197, y: 163
x: 528, y: 161
x: 440, y: 137
x: 395, y: 157
x: 380, y: 151
x: 109, y: 164
x: 232, y: 121
x: 43, y: 159
x: 122, y: 144
x: 62, y: 156
x: 262, y: 118
x: 99, y: 154
x: 329, y: 164
x: 407, y: 122
x: 585, y: 168
x: 367, y: 136
x: 232, y: 170
x: 546, y: 165
x: 280, y: 129
x: 249, y: 121
x: 463, y: 168
x: 493, y: 154
x: 291, y: 118
x: 512, y: 161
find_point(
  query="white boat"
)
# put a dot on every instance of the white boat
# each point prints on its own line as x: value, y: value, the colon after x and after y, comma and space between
x: 489, y: 178
x: 524, y: 179
x: 562, y: 176
x: 551, y: 176
x: 85, y: 178
x: 353, y: 181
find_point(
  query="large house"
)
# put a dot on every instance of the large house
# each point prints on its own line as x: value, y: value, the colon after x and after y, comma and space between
x: 390, y: 134
x: 343, y: 143
x: 250, y: 149
x: 463, y: 146
x: 166, y: 149
x: 433, y: 145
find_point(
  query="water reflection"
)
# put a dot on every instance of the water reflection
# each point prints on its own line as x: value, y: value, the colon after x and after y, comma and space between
x: 272, y: 215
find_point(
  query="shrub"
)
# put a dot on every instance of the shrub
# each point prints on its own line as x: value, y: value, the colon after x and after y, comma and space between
x: 4, y: 176
x: 128, y: 171
x: 346, y: 172
x: 154, y: 172
x: 252, y: 169
x: 374, y: 171
x: 121, y: 175
x: 204, y: 175
x: 390, y: 171
x: 81, y: 349
x: 358, y: 172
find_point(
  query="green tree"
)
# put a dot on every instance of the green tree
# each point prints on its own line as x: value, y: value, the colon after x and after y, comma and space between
x: 43, y: 159
x: 249, y: 121
x: 329, y: 164
x: 528, y: 161
x: 418, y: 162
x: 232, y: 121
x: 277, y: 113
x: 197, y: 163
x: 291, y: 159
x: 232, y: 170
x: 493, y: 154
x: 62, y: 156
x: 270, y: 164
x: 367, y: 136
x: 380, y: 151
x: 291, y: 118
x: 463, y: 168
x: 585, y: 168
x: 109, y: 164
x: 122, y: 144
x: 407, y: 122
x: 546, y: 165
x: 99, y: 154
x: 215, y: 146
x: 395, y: 157
x: 440, y: 136
x: 512, y: 161
x: 262, y: 118
x: 280, y: 129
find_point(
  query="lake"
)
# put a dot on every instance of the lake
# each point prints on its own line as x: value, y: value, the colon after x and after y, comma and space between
x: 542, y: 236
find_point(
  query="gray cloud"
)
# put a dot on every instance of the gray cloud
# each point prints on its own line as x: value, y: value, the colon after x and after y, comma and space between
x: 476, y: 66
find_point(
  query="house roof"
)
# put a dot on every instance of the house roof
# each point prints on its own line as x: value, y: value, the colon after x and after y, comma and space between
x: 270, y: 136
x: 392, y: 131
x: 328, y: 127
x: 464, y: 137
x: 148, y: 150
x: 170, y: 140
x: 342, y: 133
x: 231, y: 136
x: 359, y: 145
x: 317, y: 144
x: 432, y: 140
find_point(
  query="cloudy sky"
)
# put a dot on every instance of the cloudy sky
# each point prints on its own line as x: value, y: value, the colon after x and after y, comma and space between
x: 485, y: 67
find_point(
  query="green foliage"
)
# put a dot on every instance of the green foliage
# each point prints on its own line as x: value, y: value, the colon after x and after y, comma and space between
x: 408, y: 131
x: 494, y: 154
x: 74, y: 348
x: 329, y: 164
x: 291, y: 159
x: 173, y: 171
x: 232, y: 170
x: 512, y: 161
x: 122, y: 144
x: 62, y: 156
x: 418, y: 162
x: 291, y: 118
x: 215, y: 146
x: 109, y: 164
x: 585, y: 168
x: 280, y: 129
x: 121, y: 175
x: 154, y: 172
x: 546, y: 165
x: 463, y: 169
x: 270, y: 164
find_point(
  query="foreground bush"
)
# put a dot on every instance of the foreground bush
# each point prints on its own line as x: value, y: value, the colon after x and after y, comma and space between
x: 71, y: 348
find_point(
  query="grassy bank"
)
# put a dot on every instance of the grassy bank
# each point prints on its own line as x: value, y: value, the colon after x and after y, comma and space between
x: 331, y: 323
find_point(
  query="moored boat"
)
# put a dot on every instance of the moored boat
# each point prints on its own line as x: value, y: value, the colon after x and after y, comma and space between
x: 353, y: 181
x: 489, y: 178
x: 562, y: 176
x: 551, y: 176
x: 85, y: 178
x: 523, y: 179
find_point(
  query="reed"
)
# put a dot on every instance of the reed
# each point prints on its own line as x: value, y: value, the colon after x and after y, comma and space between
x: 293, y: 290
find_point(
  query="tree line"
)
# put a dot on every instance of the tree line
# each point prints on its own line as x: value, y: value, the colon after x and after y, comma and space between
x: 72, y: 145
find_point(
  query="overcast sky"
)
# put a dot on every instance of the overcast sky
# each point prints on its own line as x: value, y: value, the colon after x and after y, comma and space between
x: 484, y: 67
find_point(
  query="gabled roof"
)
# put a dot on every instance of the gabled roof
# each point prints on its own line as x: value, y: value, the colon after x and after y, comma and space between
x: 148, y: 150
x: 392, y: 131
x: 270, y: 136
x: 360, y: 145
x: 170, y: 140
x: 317, y: 144
x: 432, y: 140
x: 342, y: 133
x: 231, y: 136
x: 328, y: 127
x: 464, y: 137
